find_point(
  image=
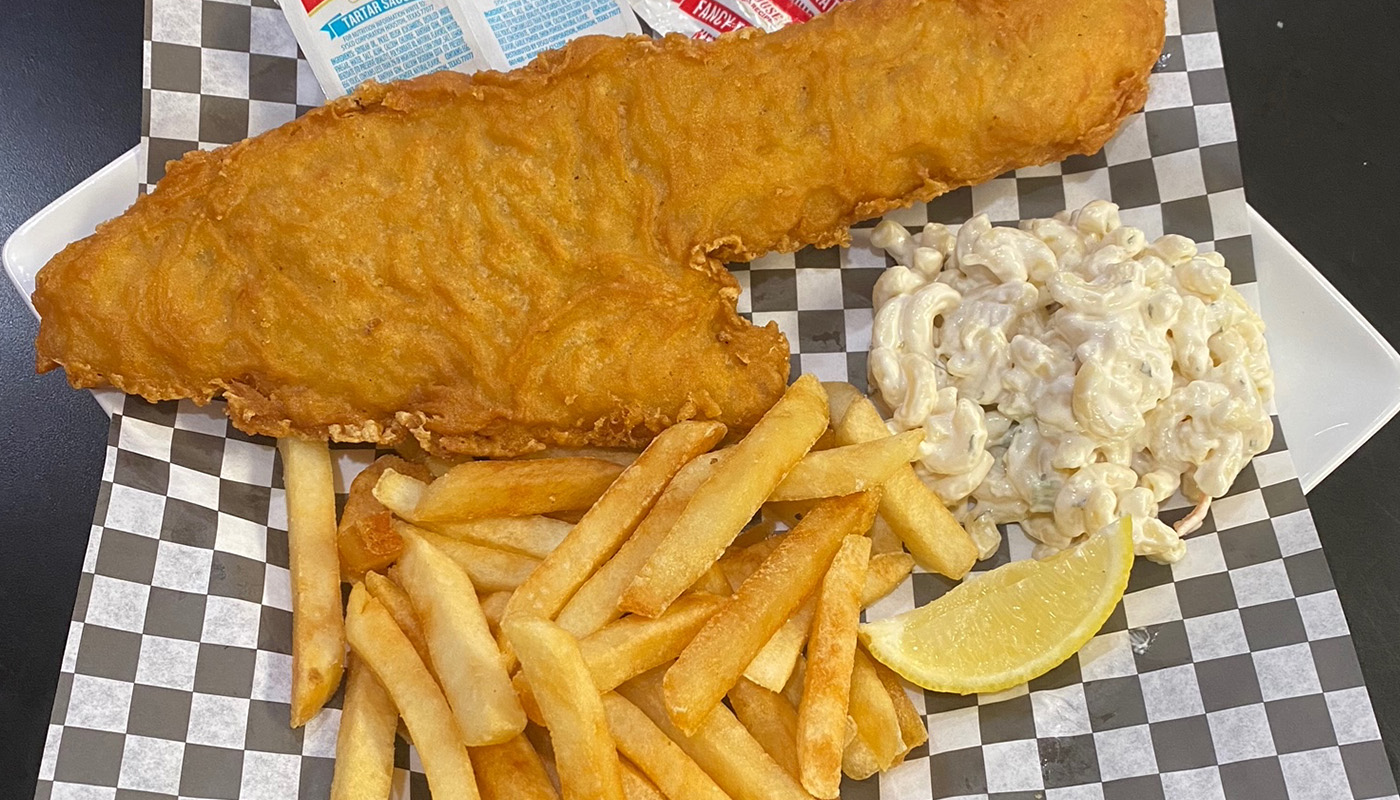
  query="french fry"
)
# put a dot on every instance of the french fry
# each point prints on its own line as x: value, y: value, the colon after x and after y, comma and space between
x: 494, y: 607
x: 622, y: 458
x: 626, y: 648
x: 827, y: 440
x: 789, y: 512
x: 773, y: 665
x: 607, y: 524
x: 725, y: 503
x: 911, y: 722
x: 399, y: 493
x: 366, y: 538
x: 660, y: 759
x: 635, y: 785
x: 883, y: 539
x: 821, y: 716
x: 584, y: 752
x: 571, y: 516
x: 381, y: 646
x: 630, y: 646
x: 771, y: 718
x: 848, y: 469
x: 364, y: 746
x: 511, y: 770
x: 534, y: 536
x: 754, y: 534
x: 595, y: 603
x: 490, y: 569
x: 465, y: 657
x: 730, y: 639
x: 858, y: 761
x: 479, y: 489
x: 886, y: 571
x: 318, y: 632
x: 713, y: 582
x: 793, y: 690
x: 877, y: 721
x: 400, y: 607
x: 721, y: 746
x: 738, y: 563
x: 912, y: 510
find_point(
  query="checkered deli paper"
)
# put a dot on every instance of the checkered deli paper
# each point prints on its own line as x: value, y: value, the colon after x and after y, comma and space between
x: 1228, y: 675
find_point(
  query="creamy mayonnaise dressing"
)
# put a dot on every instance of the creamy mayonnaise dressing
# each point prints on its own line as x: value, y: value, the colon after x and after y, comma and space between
x: 1068, y: 372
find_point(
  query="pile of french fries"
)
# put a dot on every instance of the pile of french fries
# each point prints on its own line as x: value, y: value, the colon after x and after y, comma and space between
x: 676, y: 624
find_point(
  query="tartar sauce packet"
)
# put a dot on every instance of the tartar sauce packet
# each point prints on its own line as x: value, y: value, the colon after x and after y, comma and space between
x: 351, y: 41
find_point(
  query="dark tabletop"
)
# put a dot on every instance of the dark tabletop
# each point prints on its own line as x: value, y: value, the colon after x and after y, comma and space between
x: 1318, y: 116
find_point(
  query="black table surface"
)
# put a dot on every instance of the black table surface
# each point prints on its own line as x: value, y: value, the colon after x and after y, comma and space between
x: 1318, y: 116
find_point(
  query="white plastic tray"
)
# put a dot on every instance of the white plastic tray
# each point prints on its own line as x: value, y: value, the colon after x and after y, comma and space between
x: 1338, y: 379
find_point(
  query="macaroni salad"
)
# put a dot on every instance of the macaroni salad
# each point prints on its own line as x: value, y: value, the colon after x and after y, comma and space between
x: 1069, y: 372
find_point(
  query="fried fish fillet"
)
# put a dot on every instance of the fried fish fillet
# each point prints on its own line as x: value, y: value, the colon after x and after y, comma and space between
x: 502, y: 262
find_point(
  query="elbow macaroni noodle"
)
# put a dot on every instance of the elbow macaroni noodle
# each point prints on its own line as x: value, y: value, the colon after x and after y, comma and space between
x: 1068, y: 372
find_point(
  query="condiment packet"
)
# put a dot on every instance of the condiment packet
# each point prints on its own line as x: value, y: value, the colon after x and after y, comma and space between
x: 347, y: 42
x: 512, y: 32
x: 695, y: 19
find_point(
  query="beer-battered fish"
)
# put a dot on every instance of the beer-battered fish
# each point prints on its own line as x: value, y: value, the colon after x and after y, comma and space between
x: 502, y: 262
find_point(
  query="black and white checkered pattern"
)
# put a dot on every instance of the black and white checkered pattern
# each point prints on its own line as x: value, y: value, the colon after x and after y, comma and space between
x: 1228, y: 675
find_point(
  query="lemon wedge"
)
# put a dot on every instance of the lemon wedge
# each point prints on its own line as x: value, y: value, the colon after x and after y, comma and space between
x: 1012, y: 624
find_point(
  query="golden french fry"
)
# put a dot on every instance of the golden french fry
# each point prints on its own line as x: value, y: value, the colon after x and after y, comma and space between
x: 771, y: 718
x: 911, y: 722
x: 912, y: 510
x: 622, y: 458
x: 725, y: 503
x: 479, y: 489
x: 730, y: 639
x: 738, y: 563
x: 713, y: 582
x: 721, y: 746
x: 660, y: 759
x: 465, y: 657
x: 883, y: 539
x: 365, y: 538
x: 772, y: 667
x: 399, y: 493
x: 396, y: 602
x: 491, y: 569
x: 789, y: 512
x: 826, y: 441
x: 886, y: 571
x: 511, y: 770
x: 848, y: 469
x: 632, y: 645
x: 318, y: 632
x: 607, y: 524
x: 793, y: 690
x: 584, y: 752
x: 494, y: 607
x: 572, y: 516
x: 381, y: 646
x: 635, y: 785
x: 595, y: 603
x: 754, y: 534
x: 877, y: 721
x: 821, y: 717
x: 534, y: 536
x: 858, y: 761
x: 364, y: 746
